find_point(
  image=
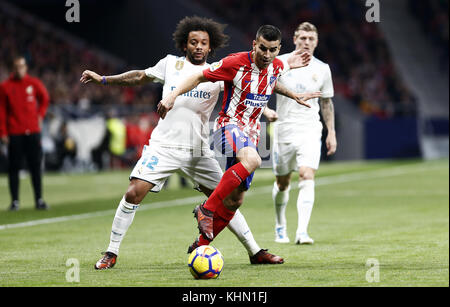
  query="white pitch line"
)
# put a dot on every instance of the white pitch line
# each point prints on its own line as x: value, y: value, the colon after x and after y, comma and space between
x: 380, y: 173
x: 366, y: 175
x: 156, y: 205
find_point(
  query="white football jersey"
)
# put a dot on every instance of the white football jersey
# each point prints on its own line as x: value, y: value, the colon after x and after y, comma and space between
x: 187, y: 124
x: 292, y: 117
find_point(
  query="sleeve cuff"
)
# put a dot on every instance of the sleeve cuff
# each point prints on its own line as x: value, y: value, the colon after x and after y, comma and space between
x: 206, y: 74
x: 327, y: 95
x: 149, y: 72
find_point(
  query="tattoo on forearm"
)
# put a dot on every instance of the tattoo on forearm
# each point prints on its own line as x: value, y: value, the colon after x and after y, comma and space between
x: 133, y: 77
x: 328, y: 112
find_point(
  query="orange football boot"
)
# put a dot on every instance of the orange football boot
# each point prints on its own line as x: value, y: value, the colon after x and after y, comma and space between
x: 106, y: 262
x: 263, y: 257
x: 205, y: 221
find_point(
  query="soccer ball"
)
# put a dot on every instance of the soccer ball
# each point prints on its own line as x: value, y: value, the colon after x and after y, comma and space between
x: 205, y: 262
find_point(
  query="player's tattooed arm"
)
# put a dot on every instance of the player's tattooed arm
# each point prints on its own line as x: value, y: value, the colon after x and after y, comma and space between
x: 130, y: 78
x: 299, y: 98
x: 327, y: 107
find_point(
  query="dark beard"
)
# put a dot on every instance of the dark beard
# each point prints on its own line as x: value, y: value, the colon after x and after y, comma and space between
x: 194, y: 61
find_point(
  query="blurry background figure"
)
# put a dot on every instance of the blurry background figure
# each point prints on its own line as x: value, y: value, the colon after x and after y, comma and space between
x: 139, y: 130
x: 63, y: 155
x: 117, y: 132
x: 23, y: 104
x: 3, y: 158
x: 100, y: 154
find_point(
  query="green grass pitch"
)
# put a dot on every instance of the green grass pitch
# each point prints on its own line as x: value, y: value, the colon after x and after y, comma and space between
x: 396, y: 212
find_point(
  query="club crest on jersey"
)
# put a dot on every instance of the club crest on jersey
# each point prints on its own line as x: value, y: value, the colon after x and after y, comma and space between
x: 315, y: 78
x: 29, y: 90
x: 216, y: 65
x: 300, y: 88
x: 179, y: 65
x: 272, y: 80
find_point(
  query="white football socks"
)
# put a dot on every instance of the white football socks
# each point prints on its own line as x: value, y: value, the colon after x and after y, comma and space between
x: 305, y: 204
x: 125, y: 214
x: 238, y: 225
x: 280, y: 199
x: 122, y: 221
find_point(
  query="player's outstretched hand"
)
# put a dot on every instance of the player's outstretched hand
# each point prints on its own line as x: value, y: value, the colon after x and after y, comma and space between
x: 165, y: 105
x: 302, y: 98
x: 90, y: 76
x: 299, y: 59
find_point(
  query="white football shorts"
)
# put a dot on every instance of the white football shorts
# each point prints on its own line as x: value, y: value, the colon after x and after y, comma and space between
x: 158, y: 163
x: 305, y: 151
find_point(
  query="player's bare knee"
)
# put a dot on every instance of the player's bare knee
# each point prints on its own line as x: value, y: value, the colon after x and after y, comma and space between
x: 133, y: 195
x: 252, y: 163
x: 283, y: 183
x: 307, y: 174
x: 282, y: 187
x: 137, y: 190
x: 250, y: 159
x: 258, y: 161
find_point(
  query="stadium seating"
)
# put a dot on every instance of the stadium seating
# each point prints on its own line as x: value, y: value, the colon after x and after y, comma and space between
x: 59, y: 61
x: 433, y: 17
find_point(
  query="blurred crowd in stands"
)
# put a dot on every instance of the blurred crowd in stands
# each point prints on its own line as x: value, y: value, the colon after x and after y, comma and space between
x: 362, y: 68
x: 433, y: 17
x: 58, y: 62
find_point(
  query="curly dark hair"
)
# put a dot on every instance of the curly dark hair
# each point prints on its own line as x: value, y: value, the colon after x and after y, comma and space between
x: 217, y: 39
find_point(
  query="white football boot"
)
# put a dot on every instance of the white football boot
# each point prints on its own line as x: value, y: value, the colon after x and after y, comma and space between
x: 303, y: 238
x: 281, y: 235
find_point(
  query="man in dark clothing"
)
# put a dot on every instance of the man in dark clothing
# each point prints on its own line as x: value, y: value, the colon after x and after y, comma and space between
x: 23, y: 104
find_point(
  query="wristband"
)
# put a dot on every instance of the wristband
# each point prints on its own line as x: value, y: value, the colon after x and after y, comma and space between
x: 104, y: 80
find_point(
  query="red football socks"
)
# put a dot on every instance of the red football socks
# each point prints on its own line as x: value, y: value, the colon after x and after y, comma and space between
x: 202, y: 241
x: 221, y: 219
x: 231, y: 179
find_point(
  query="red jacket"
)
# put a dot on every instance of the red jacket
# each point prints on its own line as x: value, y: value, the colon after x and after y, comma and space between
x: 22, y: 103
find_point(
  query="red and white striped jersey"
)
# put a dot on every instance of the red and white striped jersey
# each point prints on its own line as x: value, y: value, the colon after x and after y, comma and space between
x: 247, y: 90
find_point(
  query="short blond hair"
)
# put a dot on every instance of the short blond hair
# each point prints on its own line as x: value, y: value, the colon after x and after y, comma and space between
x: 307, y: 27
